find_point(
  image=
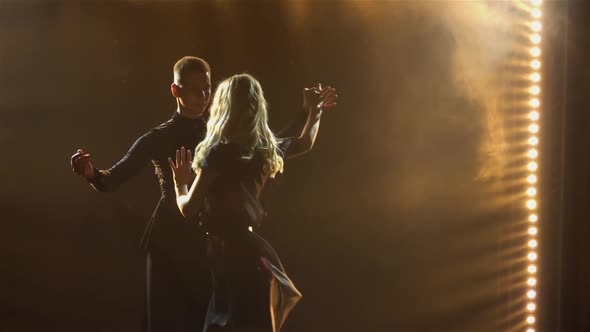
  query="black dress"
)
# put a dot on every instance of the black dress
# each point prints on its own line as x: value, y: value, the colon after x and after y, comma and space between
x: 178, y: 283
x: 251, y: 291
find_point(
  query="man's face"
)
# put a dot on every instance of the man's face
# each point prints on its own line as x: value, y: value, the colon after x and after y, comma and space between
x: 195, y: 92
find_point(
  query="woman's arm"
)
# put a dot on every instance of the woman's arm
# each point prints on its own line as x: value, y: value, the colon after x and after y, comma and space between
x: 315, y: 100
x: 190, y: 201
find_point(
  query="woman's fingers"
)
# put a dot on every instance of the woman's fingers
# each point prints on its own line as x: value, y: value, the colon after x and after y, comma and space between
x: 327, y: 106
x: 183, y: 157
x: 322, y: 97
x: 327, y: 89
x: 330, y: 98
x: 171, y: 164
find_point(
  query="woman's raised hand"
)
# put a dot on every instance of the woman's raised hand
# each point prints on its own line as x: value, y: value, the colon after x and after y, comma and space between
x: 182, y: 168
x: 319, y: 98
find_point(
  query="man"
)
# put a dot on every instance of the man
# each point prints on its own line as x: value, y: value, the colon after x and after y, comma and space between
x: 177, y: 275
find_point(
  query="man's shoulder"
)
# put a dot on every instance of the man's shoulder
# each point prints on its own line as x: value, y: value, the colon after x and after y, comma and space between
x: 162, y: 127
x: 157, y: 131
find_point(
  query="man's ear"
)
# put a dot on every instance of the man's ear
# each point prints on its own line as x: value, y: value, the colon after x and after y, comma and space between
x: 175, y: 89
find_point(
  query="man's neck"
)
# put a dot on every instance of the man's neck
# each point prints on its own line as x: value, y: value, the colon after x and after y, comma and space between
x: 184, y: 112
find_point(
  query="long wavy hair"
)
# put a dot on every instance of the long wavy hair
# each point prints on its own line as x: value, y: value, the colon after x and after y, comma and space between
x: 239, y: 114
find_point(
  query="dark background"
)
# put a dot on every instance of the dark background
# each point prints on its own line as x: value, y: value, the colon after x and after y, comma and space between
x: 403, y: 218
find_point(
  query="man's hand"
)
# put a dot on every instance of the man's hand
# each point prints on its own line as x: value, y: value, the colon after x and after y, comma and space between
x: 81, y: 165
x: 318, y: 98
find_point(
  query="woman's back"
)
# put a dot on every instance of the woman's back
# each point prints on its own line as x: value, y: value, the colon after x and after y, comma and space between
x: 233, y: 199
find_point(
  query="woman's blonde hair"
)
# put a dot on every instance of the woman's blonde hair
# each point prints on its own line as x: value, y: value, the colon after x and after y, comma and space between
x: 239, y: 104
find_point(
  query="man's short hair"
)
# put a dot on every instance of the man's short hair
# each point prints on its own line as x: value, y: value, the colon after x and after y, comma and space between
x: 189, y: 64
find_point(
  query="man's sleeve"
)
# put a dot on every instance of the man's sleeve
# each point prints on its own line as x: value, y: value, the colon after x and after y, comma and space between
x: 130, y: 165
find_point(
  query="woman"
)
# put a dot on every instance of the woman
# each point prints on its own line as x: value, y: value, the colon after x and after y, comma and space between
x: 251, y: 291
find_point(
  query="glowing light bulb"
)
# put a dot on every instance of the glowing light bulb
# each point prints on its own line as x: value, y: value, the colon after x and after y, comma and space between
x: 531, y: 294
x: 533, y: 231
x: 533, y: 141
x: 532, y: 281
x: 535, y: 90
x: 532, y: 179
x: 534, y: 115
x: 532, y: 256
x: 534, y: 128
x: 533, y: 218
x: 536, y: 13
x: 533, y: 153
x: 532, y: 166
x: 536, y: 77
x: 530, y: 319
x: 536, y: 26
x: 531, y: 204
x: 532, y: 269
x: 535, y: 51
x: 531, y: 192
x: 536, y: 64
x: 531, y: 307
x: 533, y: 243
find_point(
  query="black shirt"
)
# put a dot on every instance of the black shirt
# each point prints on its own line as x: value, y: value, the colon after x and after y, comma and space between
x: 166, y: 227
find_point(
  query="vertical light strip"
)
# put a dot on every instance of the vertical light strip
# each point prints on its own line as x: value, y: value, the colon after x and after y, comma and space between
x: 532, y: 155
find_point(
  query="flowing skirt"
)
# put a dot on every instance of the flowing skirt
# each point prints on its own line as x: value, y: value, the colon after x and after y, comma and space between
x: 251, y: 290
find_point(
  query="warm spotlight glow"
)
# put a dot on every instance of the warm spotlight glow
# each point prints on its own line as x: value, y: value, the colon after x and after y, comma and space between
x: 533, y: 153
x: 530, y: 319
x: 531, y: 179
x: 534, y: 115
x: 533, y: 218
x: 535, y: 90
x: 531, y: 191
x: 531, y: 204
x: 536, y: 13
x: 532, y: 256
x: 537, y: 2
x: 533, y: 230
x: 532, y: 282
x: 536, y: 64
x: 530, y: 330
x: 532, y: 166
x: 536, y: 26
x: 534, y: 128
x: 535, y: 77
x: 535, y: 102
x: 533, y: 243
x: 531, y: 294
x: 533, y: 141
x: 535, y: 51
x: 536, y: 39
x: 532, y: 269
x: 531, y: 307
